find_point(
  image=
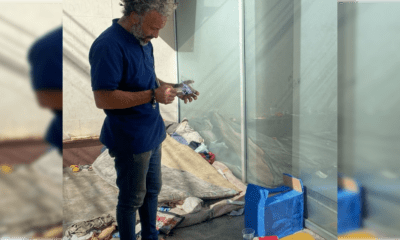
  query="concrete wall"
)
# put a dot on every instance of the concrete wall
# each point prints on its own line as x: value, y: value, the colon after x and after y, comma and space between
x: 83, y: 21
x: 21, y: 24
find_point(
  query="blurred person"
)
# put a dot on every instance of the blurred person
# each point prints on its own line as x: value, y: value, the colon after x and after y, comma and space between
x: 31, y: 195
x: 125, y: 85
x: 45, y: 59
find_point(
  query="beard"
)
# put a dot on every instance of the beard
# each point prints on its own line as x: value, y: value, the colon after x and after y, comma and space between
x: 137, y: 32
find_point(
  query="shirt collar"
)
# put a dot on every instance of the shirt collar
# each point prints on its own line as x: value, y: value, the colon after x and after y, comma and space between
x: 126, y: 34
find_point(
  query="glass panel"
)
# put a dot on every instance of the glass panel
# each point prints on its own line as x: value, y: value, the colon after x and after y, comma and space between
x: 291, y: 126
x: 269, y: 89
x: 315, y: 108
x: 209, y: 54
x: 291, y: 99
x: 369, y: 108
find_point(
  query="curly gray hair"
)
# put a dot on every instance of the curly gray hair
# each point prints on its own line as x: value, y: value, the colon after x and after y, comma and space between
x: 164, y: 7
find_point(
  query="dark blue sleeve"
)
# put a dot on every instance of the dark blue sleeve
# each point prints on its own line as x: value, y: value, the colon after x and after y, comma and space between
x: 45, y: 59
x: 106, y: 62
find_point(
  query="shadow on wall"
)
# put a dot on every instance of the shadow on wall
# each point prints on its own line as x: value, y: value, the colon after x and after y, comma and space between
x: 68, y: 55
x: 185, y: 39
x: 168, y: 33
x: 15, y: 66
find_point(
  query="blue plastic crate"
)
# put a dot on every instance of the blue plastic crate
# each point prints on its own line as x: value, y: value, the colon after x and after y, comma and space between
x: 278, y: 211
x: 349, y: 205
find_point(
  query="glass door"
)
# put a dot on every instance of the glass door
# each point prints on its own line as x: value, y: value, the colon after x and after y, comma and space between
x: 267, y: 76
x: 208, y: 53
x: 291, y: 100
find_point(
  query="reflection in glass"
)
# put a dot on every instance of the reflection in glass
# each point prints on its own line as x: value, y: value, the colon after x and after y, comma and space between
x: 369, y: 110
x: 290, y: 59
x: 208, y: 53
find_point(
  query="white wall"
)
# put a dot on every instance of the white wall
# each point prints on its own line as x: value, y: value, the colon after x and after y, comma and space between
x: 21, y: 24
x: 83, y: 21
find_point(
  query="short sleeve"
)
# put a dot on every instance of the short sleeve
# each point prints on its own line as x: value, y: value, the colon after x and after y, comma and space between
x: 106, y: 65
x: 45, y: 59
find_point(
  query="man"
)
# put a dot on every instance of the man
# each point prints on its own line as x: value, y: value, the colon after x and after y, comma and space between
x: 45, y: 58
x: 125, y: 86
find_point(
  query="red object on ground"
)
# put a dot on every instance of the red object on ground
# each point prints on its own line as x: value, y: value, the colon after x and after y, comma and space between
x: 211, y: 159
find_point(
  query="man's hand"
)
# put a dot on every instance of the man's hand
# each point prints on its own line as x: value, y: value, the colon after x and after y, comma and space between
x: 165, y: 94
x: 188, y: 97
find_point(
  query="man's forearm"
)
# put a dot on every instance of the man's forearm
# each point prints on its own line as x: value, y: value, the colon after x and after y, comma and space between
x: 118, y: 99
x: 50, y: 99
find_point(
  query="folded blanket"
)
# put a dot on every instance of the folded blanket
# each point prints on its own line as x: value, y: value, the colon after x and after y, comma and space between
x: 177, y: 184
x: 179, y: 156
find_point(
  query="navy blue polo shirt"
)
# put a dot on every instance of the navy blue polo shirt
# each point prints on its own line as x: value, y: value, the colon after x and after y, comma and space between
x: 45, y: 59
x: 118, y: 61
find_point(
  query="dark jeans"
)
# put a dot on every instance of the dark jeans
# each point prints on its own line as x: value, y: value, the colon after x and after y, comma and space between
x: 139, y: 183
